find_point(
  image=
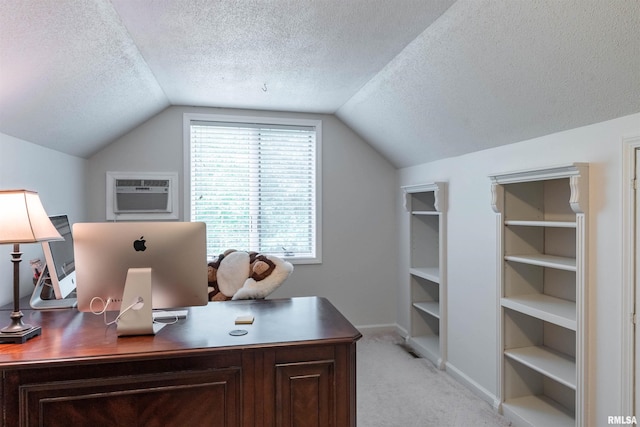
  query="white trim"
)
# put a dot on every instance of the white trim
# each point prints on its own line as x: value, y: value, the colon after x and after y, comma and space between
x: 404, y: 333
x: 497, y: 204
x: 384, y: 328
x: 472, y: 385
x: 187, y: 118
x: 540, y: 174
x: 186, y: 166
x: 629, y: 145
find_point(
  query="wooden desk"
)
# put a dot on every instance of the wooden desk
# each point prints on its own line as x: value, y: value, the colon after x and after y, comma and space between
x: 295, y: 367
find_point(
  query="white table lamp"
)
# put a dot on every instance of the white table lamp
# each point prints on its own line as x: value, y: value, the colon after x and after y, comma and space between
x: 22, y: 220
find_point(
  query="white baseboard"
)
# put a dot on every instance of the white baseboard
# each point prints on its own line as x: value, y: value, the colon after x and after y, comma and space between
x: 476, y: 388
x: 387, y: 328
x: 402, y: 332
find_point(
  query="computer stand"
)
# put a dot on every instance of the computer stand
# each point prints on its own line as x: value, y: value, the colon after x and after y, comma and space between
x: 136, y: 316
x: 43, y: 297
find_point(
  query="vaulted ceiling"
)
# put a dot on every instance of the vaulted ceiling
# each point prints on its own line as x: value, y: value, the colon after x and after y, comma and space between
x: 419, y: 80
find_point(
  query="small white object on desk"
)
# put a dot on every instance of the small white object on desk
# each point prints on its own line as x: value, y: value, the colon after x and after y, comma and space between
x: 169, y: 314
x: 244, y: 320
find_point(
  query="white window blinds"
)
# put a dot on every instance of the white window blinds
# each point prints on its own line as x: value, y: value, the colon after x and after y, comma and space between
x: 254, y: 185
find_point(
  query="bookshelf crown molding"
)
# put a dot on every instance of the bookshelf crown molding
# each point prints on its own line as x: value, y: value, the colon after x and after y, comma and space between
x: 577, y: 173
x: 438, y: 191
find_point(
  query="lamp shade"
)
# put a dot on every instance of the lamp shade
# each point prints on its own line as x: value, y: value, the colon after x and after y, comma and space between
x: 23, y: 219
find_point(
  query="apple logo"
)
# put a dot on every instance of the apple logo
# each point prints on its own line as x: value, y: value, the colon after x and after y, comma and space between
x: 139, y: 245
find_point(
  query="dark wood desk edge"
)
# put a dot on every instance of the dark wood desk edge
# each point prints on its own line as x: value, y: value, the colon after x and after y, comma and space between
x: 182, y: 352
x: 131, y: 357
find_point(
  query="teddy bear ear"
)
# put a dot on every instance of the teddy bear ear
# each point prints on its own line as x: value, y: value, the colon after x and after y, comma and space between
x: 260, y: 267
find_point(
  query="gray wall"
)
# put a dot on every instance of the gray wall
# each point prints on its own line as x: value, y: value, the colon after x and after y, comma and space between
x: 59, y: 180
x: 472, y: 259
x: 358, y: 270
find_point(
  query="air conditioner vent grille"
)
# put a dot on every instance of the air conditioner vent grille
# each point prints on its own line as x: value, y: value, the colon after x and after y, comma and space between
x: 142, y: 183
x: 128, y: 182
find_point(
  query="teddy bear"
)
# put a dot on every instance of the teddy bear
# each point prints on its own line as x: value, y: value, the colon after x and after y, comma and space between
x: 245, y: 275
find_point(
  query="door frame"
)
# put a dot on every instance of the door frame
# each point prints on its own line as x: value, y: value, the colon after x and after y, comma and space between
x: 630, y: 287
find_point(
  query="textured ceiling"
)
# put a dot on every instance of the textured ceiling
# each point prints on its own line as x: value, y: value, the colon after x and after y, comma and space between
x: 71, y: 77
x: 493, y: 72
x: 312, y: 56
x: 418, y: 79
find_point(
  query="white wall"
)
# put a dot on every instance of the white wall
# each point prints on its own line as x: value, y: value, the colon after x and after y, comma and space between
x: 471, y: 255
x: 59, y: 180
x: 358, y: 270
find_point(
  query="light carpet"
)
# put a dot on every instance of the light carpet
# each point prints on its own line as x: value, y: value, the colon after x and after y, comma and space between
x: 397, y: 389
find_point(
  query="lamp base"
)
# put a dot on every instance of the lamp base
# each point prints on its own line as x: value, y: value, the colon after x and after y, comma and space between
x: 20, y: 337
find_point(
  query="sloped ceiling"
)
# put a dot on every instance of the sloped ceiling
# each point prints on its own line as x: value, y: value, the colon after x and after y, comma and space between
x: 419, y: 80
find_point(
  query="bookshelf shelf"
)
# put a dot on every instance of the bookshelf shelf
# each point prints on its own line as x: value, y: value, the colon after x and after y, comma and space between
x: 429, y: 273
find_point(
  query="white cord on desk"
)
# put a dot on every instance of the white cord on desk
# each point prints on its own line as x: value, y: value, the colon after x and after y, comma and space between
x: 105, y: 306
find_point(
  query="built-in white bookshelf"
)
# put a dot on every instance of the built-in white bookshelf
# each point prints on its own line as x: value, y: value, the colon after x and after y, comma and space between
x: 542, y: 294
x: 427, y: 279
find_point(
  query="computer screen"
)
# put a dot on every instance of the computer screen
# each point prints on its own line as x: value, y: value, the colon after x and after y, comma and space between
x: 59, y: 259
x: 174, y: 251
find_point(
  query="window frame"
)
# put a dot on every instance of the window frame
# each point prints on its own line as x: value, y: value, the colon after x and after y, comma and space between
x: 188, y: 118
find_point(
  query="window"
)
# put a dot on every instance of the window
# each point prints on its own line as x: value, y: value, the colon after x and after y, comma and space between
x: 255, y: 182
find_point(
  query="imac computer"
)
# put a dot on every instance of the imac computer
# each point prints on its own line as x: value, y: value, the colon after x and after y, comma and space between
x: 134, y: 267
x: 57, y: 282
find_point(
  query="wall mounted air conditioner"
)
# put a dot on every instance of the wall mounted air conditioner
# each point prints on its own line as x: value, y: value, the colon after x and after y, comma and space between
x: 142, y: 196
